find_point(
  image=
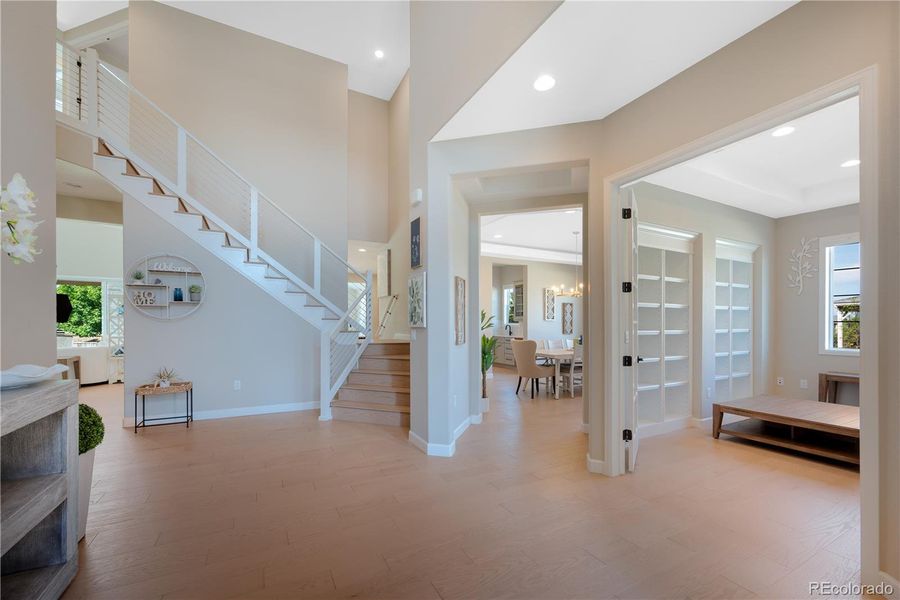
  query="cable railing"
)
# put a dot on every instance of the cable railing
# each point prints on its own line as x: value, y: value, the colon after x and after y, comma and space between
x: 92, y: 97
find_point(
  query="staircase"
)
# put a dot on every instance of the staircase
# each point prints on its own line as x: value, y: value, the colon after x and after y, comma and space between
x: 149, y: 156
x: 377, y: 390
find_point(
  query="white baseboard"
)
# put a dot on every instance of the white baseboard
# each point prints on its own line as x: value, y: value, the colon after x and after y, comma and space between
x: 597, y: 466
x: 704, y: 424
x: 443, y: 450
x: 586, y: 427
x: 476, y: 419
x: 241, y: 411
x: 646, y: 431
x: 461, y: 429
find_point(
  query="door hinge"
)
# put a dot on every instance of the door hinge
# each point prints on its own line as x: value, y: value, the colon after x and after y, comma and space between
x: 626, y: 213
x: 626, y: 287
x: 626, y: 435
x: 626, y: 361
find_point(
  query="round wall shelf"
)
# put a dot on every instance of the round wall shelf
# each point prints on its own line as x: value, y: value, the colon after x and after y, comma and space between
x: 164, y: 290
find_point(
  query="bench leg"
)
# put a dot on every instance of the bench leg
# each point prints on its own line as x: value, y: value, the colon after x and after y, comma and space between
x: 716, y: 421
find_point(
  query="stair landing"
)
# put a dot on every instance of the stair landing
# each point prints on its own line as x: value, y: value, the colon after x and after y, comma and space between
x: 377, y: 390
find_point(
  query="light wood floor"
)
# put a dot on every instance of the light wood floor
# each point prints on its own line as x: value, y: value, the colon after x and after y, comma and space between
x: 283, y: 506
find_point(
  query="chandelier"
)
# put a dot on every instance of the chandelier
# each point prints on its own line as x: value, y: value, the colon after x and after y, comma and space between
x: 578, y: 289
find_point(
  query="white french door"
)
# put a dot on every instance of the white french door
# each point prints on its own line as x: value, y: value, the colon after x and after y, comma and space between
x: 630, y: 359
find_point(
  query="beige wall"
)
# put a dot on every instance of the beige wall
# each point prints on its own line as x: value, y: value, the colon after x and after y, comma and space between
x: 796, y: 341
x: 808, y: 46
x: 239, y: 332
x: 87, y: 209
x: 398, y: 206
x: 276, y: 114
x: 368, y: 156
x: 27, y: 139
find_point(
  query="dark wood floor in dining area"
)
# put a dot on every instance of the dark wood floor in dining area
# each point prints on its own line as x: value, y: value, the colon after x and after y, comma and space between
x: 283, y: 506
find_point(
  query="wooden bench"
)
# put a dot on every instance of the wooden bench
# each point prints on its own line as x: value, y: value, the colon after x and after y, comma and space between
x: 823, y: 429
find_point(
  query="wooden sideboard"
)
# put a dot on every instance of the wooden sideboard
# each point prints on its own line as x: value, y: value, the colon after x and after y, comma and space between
x: 39, y: 489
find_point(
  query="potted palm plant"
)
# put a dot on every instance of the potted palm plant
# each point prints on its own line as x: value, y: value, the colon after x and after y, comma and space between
x: 90, y: 434
x: 487, y: 351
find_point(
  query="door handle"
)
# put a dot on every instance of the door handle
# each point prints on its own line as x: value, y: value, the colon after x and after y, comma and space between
x: 640, y: 359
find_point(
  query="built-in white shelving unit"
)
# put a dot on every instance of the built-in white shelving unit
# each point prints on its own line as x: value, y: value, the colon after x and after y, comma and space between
x: 664, y: 328
x: 734, y: 320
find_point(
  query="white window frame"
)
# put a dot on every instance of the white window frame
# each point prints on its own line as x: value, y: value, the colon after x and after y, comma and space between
x: 825, y: 323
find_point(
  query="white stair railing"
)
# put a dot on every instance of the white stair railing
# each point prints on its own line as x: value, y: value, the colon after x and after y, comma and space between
x: 93, y: 98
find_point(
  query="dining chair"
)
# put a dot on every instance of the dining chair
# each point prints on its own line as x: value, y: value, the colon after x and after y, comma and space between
x: 524, y: 352
x: 572, y: 373
x: 555, y: 345
x: 570, y: 344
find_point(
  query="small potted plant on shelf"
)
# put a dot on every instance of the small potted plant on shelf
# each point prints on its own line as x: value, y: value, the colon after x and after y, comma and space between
x: 164, y: 377
x: 195, y: 292
x: 138, y: 276
x: 90, y: 434
x: 487, y: 352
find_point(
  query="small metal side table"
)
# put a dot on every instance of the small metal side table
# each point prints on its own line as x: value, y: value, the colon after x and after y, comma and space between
x: 152, y: 390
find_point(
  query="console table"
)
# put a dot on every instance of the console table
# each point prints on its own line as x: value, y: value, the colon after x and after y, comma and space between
x: 39, y: 489
x: 152, y: 390
x: 828, y: 384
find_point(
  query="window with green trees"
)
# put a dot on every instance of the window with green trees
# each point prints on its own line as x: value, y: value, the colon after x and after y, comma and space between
x: 87, y: 309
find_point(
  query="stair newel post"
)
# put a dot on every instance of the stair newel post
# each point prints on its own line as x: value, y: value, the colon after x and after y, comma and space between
x: 254, y: 223
x: 325, y: 377
x: 89, y: 92
x: 181, y: 161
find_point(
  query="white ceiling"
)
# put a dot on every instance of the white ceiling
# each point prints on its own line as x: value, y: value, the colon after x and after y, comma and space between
x: 542, y: 235
x: 533, y: 183
x: 347, y: 32
x: 73, y: 13
x: 74, y: 180
x: 363, y: 256
x: 780, y: 176
x: 603, y: 55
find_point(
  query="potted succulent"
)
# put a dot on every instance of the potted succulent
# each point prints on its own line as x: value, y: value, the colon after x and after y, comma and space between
x: 138, y: 276
x: 90, y: 434
x: 164, y: 377
x: 487, y: 352
x: 195, y: 292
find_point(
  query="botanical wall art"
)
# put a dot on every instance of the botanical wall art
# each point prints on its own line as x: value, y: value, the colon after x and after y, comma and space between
x: 417, y: 301
x: 549, y: 304
x: 459, y: 307
x: 415, y: 243
x: 568, y: 318
x: 802, y: 264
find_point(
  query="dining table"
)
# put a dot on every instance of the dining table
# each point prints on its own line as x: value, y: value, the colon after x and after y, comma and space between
x: 558, y: 356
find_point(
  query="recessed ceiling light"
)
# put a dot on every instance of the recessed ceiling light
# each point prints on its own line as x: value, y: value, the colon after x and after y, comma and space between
x: 850, y: 163
x: 544, y: 83
x: 379, y: 54
x: 362, y: 249
x: 497, y: 236
x: 783, y: 131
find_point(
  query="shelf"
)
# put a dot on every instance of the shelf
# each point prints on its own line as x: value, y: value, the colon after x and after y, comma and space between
x: 649, y: 360
x: 648, y: 388
x: 648, y: 332
x: 743, y: 286
x: 835, y: 447
x: 642, y: 277
x: 679, y: 357
x: 676, y: 279
x: 722, y: 377
x: 44, y: 582
x: 26, y: 502
x: 173, y: 302
x: 171, y: 272
x: 722, y: 284
x: 740, y: 331
x: 676, y: 331
x: 648, y: 304
x: 672, y: 384
x: 150, y: 285
x: 722, y: 354
x: 740, y: 353
x: 675, y: 305
x: 721, y: 307
x: 740, y: 308
x: 740, y: 374
x: 722, y: 330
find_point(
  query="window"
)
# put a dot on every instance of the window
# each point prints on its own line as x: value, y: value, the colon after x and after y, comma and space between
x: 87, y: 308
x: 839, y: 294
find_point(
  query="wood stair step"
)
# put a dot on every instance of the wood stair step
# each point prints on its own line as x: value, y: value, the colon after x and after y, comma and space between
x: 371, y: 387
x: 379, y: 372
x: 395, y: 408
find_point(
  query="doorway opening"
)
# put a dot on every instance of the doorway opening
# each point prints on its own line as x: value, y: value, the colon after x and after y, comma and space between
x: 786, y: 290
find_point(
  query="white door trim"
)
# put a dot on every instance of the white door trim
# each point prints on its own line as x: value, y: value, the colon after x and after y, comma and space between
x: 864, y: 83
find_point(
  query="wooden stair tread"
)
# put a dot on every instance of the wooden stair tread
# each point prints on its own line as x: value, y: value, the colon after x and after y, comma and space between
x: 372, y: 387
x: 387, y: 356
x: 379, y: 372
x: 395, y: 408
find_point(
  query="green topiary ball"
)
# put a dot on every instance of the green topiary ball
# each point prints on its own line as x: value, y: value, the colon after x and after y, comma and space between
x: 90, y: 428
